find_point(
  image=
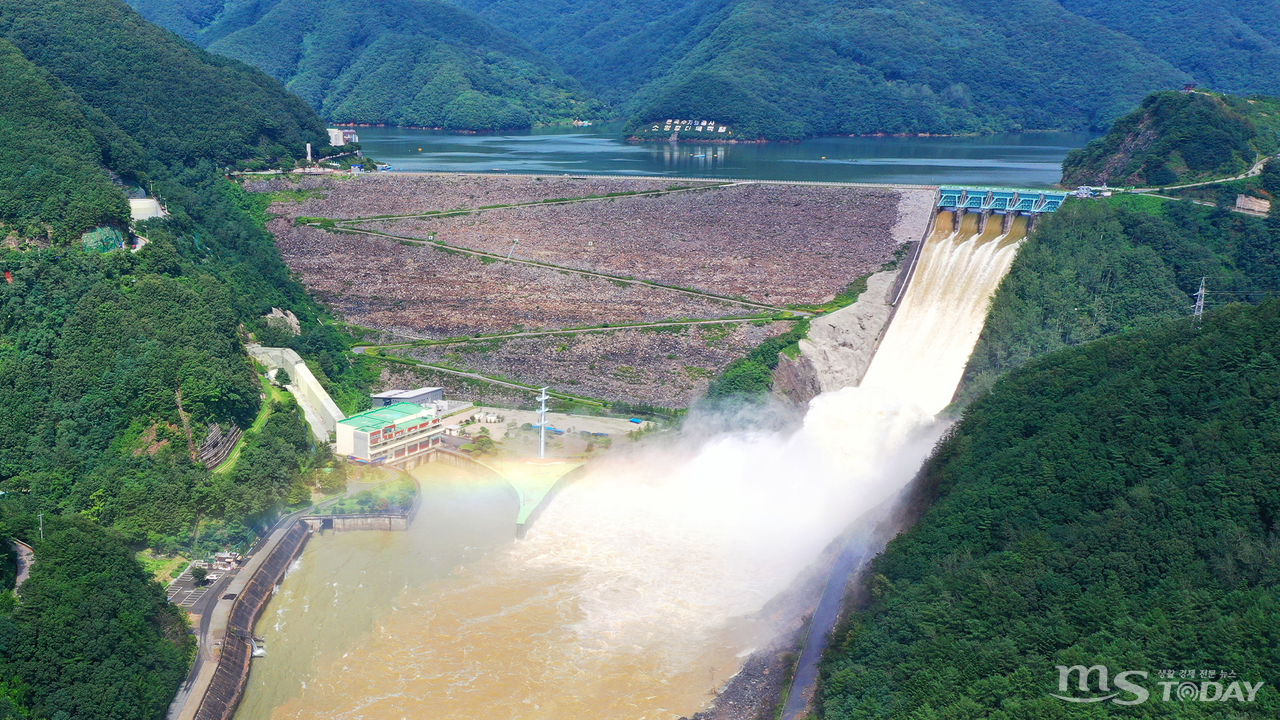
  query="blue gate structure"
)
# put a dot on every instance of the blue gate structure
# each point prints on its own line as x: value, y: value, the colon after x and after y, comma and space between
x: 1008, y: 202
x: 1000, y: 200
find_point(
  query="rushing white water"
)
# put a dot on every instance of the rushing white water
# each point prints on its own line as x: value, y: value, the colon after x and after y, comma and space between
x: 629, y: 598
x: 922, y: 356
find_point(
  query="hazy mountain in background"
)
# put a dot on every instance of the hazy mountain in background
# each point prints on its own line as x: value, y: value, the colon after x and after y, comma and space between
x: 774, y: 69
x: 401, y: 62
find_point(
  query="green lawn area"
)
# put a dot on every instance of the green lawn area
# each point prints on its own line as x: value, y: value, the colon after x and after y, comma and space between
x: 1138, y: 202
x: 274, y: 394
x: 396, y: 495
x: 163, y: 569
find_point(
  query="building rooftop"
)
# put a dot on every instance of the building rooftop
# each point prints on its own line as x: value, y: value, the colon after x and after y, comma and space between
x: 392, y: 394
x: 378, y: 418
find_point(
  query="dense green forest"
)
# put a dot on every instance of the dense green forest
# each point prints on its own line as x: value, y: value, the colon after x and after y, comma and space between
x: 1177, y: 137
x: 1226, y: 45
x: 93, y: 636
x: 772, y: 69
x: 179, y: 102
x: 113, y: 365
x: 403, y: 62
x: 879, y: 65
x: 1114, y: 504
x: 1098, y: 268
x: 52, y: 185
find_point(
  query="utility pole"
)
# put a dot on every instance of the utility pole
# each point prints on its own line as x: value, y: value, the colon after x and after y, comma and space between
x: 542, y: 424
x: 41, y: 526
x: 1199, y: 302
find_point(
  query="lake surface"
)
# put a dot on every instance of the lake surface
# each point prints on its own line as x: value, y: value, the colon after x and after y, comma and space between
x: 1011, y: 159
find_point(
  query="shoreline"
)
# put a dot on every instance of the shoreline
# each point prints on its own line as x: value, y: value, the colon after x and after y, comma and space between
x: 630, y: 137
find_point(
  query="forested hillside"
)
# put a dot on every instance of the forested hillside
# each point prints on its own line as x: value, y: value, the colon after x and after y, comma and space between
x: 1111, y: 504
x: 772, y: 69
x: 885, y: 65
x: 1226, y: 45
x: 403, y: 62
x: 93, y: 637
x: 1094, y: 269
x: 1179, y: 137
x: 53, y: 184
x: 180, y: 103
x: 114, y: 364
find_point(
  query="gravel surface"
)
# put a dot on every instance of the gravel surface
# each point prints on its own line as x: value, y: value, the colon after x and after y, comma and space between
x: 776, y: 244
x: 669, y: 367
x: 423, y: 291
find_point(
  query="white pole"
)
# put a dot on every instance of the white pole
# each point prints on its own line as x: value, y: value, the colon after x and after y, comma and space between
x: 542, y: 424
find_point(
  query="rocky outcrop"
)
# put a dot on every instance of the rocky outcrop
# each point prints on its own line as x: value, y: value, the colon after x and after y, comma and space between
x: 839, y: 346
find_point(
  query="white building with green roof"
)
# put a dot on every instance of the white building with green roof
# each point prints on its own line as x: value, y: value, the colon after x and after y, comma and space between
x: 399, y: 435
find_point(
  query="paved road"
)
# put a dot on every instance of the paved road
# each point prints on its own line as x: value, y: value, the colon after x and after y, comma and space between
x: 824, y: 619
x: 211, y: 604
x: 667, y: 178
x: 1251, y: 172
x: 504, y: 383
x: 1242, y: 211
x: 532, y: 203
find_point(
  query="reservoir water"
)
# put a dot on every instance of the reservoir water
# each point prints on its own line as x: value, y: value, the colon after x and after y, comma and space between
x: 1011, y: 159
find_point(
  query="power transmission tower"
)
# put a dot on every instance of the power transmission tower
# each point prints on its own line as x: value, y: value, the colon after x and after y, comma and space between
x: 1199, y: 302
x: 542, y: 424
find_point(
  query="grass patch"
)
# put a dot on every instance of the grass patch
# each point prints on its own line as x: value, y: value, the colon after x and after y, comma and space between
x: 394, y: 496
x: 845, y: 298
x: 1138, y: 203
x: 163, y: 569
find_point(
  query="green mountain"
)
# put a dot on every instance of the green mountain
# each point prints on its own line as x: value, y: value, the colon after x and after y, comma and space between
x: 770, y: 68
x: 1094, y: 269
x: 1177, y: 137
x: 404, y: 62
x: 1112, y: 504
x: 783, y: 69
x: 1226, y: 45
x: 175, y: 100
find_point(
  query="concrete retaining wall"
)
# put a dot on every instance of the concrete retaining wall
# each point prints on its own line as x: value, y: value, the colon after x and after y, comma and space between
x: 321, y: 412
x: 342, y: 523
x: 232, y: 673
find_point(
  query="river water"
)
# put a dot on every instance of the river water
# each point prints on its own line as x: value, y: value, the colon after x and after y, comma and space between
x: 634, y: 597
x: 1012, y: 159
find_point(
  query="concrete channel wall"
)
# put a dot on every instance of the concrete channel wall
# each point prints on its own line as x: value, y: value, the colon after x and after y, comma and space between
x: 232, y: 673
x: 320, y: 410
x: 522, y: 529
